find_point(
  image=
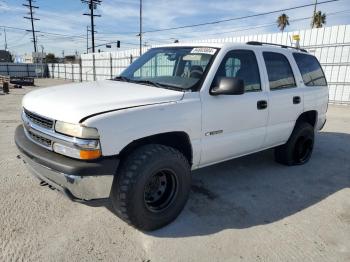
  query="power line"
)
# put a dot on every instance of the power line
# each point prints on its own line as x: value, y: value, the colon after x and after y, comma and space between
x: 58, y: 36
x: 32, y: 18
x: 52, y: 34
x: 273, y: 24
x: 241, y: 29
x: 17, y: 39
x: 237, y: 18
x: 219, y: 21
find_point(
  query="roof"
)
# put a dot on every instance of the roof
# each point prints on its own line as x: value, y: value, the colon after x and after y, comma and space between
x: 229, y: 45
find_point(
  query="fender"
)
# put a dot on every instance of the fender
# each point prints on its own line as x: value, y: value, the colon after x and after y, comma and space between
x: 118, y: 128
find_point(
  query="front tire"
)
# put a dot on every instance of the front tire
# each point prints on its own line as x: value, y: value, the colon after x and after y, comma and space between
x: 151, y: 187
x: 299, y: 147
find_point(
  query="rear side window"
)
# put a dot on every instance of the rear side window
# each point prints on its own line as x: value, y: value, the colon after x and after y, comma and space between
x: 279, y: 71
x: 310, y: 70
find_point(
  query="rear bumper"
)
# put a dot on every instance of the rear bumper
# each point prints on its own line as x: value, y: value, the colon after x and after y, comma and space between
x: 80, y: 180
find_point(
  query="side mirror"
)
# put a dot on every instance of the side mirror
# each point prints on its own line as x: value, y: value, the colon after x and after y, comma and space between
x: 228, y: 86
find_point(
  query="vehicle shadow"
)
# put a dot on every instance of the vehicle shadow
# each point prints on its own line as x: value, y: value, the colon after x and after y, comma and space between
x: 254, y: 190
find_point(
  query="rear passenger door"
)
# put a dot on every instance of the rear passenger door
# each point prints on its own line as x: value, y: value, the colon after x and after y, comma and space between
x: 285, y: 98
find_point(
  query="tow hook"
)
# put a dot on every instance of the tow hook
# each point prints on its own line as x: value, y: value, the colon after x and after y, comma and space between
x: 43, y: 183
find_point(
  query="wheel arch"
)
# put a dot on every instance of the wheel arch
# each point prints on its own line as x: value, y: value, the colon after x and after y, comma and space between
x: 179, y: 140
x: 309, y: 117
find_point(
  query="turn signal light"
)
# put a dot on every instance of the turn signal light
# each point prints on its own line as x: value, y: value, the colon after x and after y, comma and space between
x: 90, y: 154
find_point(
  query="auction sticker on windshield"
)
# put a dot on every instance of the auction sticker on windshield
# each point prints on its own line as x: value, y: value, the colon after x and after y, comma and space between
x: 203, y: 50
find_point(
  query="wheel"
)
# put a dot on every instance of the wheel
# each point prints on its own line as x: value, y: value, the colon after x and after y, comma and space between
x: 152, y: 187
x: 299, y: 147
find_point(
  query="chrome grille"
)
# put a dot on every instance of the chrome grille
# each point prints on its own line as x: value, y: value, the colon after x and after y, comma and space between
x: 39, y: 120
x: 39, y: 139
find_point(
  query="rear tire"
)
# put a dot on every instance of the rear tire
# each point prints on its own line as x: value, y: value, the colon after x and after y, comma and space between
x: 299, y: 147
x: 151, y: 187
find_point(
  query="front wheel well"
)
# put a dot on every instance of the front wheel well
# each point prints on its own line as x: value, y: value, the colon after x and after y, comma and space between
x: 178, y: 140
x: 308, y: 117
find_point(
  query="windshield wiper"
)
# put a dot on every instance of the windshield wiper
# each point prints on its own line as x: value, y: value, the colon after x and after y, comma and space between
x: 147, y: 82
x: 121, y: 78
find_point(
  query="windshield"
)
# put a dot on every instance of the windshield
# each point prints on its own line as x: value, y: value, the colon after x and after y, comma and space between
x: 172, y: 67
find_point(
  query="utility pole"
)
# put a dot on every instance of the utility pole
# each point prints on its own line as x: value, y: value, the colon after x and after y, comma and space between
x: 92, y: 6
x: 42, y: 59
x: 5, y: 39
x: 32, y: 18
x: 87, y: 39
x: 92, y: 25
x: 140, y: 27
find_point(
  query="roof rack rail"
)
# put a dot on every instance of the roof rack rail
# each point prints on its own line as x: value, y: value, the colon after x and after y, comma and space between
x: 282, y: 46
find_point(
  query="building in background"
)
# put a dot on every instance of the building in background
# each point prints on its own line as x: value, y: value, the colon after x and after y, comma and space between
x: 34, y: 58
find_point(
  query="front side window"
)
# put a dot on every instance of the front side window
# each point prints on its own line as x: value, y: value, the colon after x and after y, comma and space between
x: 310, y: 70
x: 171, y: 67
x: 241, y: 64
x: 279, y: 71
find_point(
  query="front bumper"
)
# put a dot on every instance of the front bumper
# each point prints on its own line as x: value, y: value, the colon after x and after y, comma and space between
x: 81, y: 180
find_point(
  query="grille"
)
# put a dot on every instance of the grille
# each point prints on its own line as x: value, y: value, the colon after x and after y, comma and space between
x: 41, y: 140
x: 39, y: 120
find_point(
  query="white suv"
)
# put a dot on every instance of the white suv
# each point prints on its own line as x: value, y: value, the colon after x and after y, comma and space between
x: 135, y: 139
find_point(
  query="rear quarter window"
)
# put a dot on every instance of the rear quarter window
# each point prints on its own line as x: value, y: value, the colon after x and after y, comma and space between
x: 310, y: 70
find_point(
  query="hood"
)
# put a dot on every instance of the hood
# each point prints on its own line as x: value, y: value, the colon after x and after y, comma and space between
x: 73, y: 102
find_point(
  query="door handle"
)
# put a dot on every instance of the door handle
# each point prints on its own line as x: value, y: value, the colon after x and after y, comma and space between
x: 296, y: 100
x: 262, y: 104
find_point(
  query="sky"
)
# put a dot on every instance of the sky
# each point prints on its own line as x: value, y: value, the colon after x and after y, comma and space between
x: 119, y: 20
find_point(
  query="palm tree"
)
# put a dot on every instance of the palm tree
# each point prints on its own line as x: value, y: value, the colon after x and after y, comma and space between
x: 282, y: 21
x: 318, y: 19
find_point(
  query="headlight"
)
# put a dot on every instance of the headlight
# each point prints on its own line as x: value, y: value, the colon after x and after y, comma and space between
x: 84, y: 144
x: 76, y: 130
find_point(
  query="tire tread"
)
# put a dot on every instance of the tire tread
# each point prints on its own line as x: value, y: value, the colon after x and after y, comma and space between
x: 282, y: 153
x: 128, y: 174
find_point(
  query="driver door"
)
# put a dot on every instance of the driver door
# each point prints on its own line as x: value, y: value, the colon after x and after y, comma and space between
x: 234, y: 125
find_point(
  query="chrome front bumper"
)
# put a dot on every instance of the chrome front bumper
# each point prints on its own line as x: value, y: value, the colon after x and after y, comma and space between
x: 79, y: 187
x: 80, y: 180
